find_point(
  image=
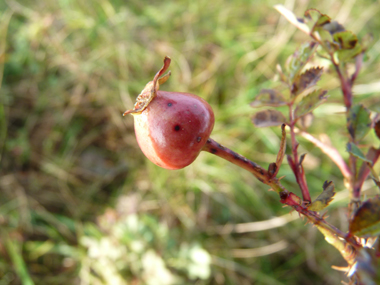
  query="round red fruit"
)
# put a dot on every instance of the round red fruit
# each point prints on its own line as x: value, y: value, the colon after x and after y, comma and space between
x: 171, y: 127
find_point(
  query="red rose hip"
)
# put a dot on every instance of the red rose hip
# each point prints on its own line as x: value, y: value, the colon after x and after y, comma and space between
x: 171, y: 127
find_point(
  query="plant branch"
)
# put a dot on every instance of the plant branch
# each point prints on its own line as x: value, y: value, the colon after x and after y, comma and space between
x: 287, y: 198
x: 260, y: 173
x: 373, y: 155
x: 296, y: 163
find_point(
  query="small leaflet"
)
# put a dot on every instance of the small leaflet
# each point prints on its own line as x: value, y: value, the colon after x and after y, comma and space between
x: 306, y: 80
x: 366, y: 221
x: 310, y: 102
x: 346, y: 39
x: 358, y: 122
x: 324, y: 199
x: 355, y: 151
x: 268, y: 118
x: 269, y: 97
x: 299, y: 59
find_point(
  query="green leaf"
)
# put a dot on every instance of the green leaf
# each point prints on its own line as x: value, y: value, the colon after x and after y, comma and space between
x: 313, y: 15
x: 366, y: 221
x: 345, y: 55
x: 306, y: 80
x: 268, y: 118
x: 324, y: 199
x: 316, y: 19
x: 355, y: 151
x: 326, y: 38
x: 299, y: 59
x: 358, y: 122
x: 310, y: 102
x: 269, y: 97
x: 348, y: 47
x: 346, y: 39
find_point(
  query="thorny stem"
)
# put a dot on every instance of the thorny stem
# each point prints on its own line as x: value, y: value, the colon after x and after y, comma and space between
x: 346, y: 245
x: 297, y: 164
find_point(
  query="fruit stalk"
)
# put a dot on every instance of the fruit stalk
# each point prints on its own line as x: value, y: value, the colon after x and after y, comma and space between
x: 260, y: 173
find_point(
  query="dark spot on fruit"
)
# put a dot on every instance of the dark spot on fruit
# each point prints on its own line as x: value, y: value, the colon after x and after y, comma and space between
x: 214, y: 150
x: 199, y: 139
x: 177, y: 128
x: 170, y: 104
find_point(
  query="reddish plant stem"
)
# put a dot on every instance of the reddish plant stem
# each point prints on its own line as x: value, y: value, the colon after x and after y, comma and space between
x: 287, y: 198
x: 346, y: 86
x: 297, y: 166
x: 260, y: 173
x: 373, y: 155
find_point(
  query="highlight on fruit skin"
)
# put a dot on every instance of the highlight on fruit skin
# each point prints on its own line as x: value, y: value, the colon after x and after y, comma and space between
x: 171, y: 127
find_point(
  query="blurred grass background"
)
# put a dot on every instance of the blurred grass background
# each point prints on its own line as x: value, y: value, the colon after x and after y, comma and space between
x: 80, y: 204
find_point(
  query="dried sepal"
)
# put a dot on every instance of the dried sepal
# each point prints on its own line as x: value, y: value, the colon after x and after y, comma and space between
x: 150, y: 89
x: 281, y: 152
